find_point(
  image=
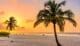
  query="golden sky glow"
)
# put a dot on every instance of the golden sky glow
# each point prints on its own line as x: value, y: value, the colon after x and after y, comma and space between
x: 25, y: 12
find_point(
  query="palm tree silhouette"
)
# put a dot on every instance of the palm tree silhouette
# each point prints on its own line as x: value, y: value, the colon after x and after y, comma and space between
x: 54, y: 14
x: 11, y: 23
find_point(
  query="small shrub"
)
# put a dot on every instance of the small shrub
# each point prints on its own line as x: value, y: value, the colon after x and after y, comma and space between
x: 4, y: 34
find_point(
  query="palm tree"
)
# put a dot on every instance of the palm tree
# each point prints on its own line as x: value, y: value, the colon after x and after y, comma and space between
x: 55, y: 15
x: 11, y: 24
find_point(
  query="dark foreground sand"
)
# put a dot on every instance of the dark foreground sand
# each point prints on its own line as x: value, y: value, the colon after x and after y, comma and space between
x: 39, y: 40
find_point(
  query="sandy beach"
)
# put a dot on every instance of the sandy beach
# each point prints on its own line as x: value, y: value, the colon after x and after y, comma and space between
x: 39, y: 40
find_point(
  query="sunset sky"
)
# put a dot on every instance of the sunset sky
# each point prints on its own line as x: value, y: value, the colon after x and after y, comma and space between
x: 25, y: 12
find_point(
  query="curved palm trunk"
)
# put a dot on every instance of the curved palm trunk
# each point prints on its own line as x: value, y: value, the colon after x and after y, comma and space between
x: 55, y: 34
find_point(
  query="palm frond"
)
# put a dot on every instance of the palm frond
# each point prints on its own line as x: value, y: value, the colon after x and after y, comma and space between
x: 60, y: 4
x: 46, y: 22
x: 72, y: 21
x: 48, y: 3
x: 59, y: 12
x: 38, y: 22
x: 42, y: 13
x: 61, y: 26
x: 42, y: 17
x: 61, y: 23
x: 69, y: 13
x: 6, y: 21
